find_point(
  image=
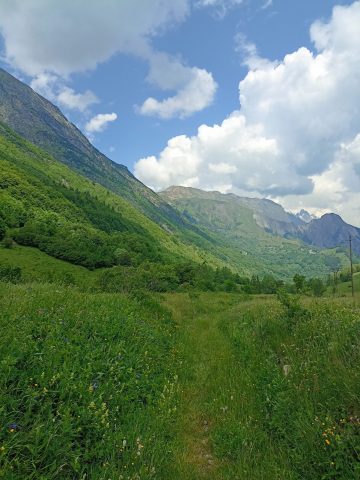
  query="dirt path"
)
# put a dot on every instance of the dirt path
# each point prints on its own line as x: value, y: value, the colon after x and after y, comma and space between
x: 205, y: 386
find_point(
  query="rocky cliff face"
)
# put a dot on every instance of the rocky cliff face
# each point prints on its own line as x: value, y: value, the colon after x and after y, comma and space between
x: 330, y: 231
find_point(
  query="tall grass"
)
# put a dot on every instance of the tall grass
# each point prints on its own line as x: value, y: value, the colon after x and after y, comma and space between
x: 87, y: 385
x: 298, y: 392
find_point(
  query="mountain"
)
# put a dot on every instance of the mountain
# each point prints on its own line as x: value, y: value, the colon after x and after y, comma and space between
x: 268, y: 215
x: 47, y: 205
x: 58, y: 180
x: 39, y: 121
x: 330, y: 231
x: 305, y: 216
x: 256, y: 234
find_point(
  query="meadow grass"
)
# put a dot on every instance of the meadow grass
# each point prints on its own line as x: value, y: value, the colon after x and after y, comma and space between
x: 268, y: 394
x: 202, y: 386
x: 87, y: 385
x: 39, y: 267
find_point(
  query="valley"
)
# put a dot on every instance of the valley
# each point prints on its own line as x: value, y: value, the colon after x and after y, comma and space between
x: 184, y: 334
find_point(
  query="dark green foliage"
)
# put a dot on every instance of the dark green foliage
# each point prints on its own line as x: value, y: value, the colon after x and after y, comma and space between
x: 168, y: 278
x: 2, y: 229
x: 299, y: 282
x: 10, y: 273
x: 80, y: 245
x: 66, y: 217
x: 123, y: 257
x: 291, y: 304
x: 8, y: 242
x: 317, y: 287
x: 255, y: 285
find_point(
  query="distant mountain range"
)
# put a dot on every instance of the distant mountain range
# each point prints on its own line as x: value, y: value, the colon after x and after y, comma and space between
x: 305, y: 216
x: 329, y: 231
x: 249, y: 235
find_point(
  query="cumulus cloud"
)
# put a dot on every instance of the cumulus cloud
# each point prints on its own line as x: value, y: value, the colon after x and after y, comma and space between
x: 197, y: 92
x: 76, y: 101
x: 292, y: 134
x: 73, y: 36
x: 45, y: 38
x: 99, y: 122
x: 52, y: 87
x: 233, y: 153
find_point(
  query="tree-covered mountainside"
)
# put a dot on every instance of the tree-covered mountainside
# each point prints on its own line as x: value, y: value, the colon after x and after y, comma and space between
x: 45, y: 204
x: 249, y: 232
x: 42, y: 123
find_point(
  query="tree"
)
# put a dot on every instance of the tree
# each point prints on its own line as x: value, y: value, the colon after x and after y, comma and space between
x: 299, y: 282
x: 317, y: 287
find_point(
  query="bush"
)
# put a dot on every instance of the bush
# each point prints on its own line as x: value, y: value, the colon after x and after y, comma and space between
x: 292, y: 307
x: 8, y: 242
x: 11, y: 274
x: 2, y: 229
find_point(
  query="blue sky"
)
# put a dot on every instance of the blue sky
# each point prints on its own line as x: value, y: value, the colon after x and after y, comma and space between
x: 97, y: 58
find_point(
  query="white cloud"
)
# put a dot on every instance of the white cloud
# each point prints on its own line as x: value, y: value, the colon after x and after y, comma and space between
x: 52, y: 87
x: 44, y: 84
x: 47, y: 38
x: 100, y: 122
x: 232, y: 153
x: 250, y: 54
x: 73, y: 36
x: 221, y: 6
x: 76, y: 101
x: 197, y: 92
x: 291, y: 137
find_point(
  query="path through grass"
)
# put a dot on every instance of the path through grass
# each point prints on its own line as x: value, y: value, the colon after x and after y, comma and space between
x: 207, y: 357
x: 265, y: 396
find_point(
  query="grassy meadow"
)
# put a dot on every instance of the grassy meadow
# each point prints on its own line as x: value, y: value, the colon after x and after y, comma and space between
x: 177, y: 386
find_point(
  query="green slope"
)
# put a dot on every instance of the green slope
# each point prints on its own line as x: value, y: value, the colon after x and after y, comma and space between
x: 42, y: 123
x: 49, y: 206
x: 239, y: 226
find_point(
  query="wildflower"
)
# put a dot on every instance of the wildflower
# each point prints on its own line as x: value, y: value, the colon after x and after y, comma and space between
x: 13, y: 427
x: 327, y: 441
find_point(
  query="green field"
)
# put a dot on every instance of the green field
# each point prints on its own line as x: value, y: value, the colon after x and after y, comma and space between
x: 184, y: 386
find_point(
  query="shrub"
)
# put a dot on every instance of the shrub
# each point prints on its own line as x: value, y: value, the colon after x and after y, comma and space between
x: 2, y: 229
x: 8, y: 242
x: 11, y: 274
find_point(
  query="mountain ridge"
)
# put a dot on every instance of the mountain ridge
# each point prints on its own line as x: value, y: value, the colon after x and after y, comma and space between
x: 328, y: 231
x: 42, y: 123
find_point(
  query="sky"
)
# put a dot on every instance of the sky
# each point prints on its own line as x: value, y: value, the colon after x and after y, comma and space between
x: 254, y: 97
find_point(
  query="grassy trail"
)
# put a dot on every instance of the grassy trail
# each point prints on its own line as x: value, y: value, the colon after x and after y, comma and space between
x: 240, y: 417
x: 206, y: 384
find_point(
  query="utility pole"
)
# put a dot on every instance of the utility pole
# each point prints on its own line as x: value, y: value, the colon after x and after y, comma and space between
x: 351, y: 268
